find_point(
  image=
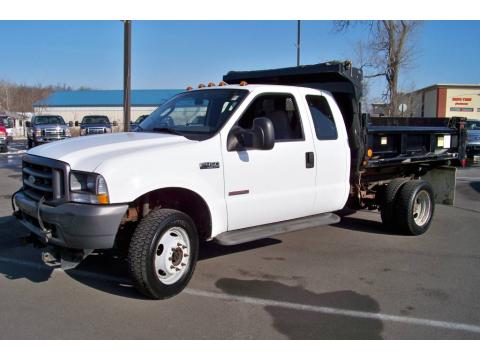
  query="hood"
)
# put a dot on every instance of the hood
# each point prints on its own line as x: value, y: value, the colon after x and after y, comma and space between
x: 50, y: 126
x: 86, y: 153
x: 86, y: 126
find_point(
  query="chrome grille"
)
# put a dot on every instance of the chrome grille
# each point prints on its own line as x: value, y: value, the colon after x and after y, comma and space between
x: 53, y: 133
x: 40, y: 179
x: 93, y: 130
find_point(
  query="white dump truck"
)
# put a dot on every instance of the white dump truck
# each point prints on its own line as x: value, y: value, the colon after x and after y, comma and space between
x: 270, y: 152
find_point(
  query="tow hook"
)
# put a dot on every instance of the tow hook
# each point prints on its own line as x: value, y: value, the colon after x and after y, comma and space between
x: 51, y: 257
x: 65, y: 258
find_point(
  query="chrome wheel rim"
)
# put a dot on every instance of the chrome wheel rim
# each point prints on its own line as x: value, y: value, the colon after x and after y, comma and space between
x: 172, y: 255
x: 422, y: 207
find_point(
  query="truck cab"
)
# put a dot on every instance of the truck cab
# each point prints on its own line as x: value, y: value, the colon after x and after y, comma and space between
x: 46, y: 128
x: 95, y: 124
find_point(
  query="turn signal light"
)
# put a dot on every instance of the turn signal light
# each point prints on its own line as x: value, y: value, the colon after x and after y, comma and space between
x: 369, y: 153
x: 102, y: 198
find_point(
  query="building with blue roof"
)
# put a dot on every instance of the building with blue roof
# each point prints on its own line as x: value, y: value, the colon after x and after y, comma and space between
x: 74, y: 105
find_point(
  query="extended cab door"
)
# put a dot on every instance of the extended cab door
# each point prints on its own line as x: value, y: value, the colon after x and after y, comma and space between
x: 266, y: 186
x: 332, y: 164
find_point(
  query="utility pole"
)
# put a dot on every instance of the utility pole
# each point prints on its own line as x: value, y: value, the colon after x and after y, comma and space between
x: 127, y: 50
x: 298, y: 42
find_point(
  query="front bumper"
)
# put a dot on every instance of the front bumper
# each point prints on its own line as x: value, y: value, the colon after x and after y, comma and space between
x: 44, y: 140
x: 71, y: 225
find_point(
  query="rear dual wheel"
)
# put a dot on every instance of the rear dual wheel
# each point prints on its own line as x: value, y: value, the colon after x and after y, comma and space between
x: 408, y: 207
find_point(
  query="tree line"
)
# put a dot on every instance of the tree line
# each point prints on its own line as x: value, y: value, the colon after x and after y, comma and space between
x: 21, y: 97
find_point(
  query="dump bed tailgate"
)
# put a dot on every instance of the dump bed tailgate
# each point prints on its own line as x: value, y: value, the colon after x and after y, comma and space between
x: 392, y: 141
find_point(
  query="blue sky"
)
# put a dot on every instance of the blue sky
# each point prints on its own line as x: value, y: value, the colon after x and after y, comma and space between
x: 174, y: 54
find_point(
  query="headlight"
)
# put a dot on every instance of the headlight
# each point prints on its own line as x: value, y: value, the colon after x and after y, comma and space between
x: 88, y: 188
x: 67, y: 132
x: 108, y: 130
x: 38, y: 132
x: 83, y: 132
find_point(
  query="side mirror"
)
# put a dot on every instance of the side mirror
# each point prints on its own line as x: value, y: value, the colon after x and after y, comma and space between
x: 261, y: 136
x: 28, y: 124
x: 115, y: 123
x: 264, y: 133
x: 70, y: 123
x: 76, y: 123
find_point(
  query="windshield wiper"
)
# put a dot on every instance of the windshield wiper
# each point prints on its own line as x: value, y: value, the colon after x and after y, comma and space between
x: 167, y: 130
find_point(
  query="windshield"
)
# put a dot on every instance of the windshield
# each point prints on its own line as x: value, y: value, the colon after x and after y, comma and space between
x: 199, y: 113
x: 95, y: 120
x: 49, y: 120
x: 473, y: 125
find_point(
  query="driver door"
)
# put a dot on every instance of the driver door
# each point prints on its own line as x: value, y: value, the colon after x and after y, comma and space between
x: 267, y: 186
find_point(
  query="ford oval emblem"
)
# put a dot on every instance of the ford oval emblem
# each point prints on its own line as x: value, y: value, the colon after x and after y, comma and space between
x: 31, y: 179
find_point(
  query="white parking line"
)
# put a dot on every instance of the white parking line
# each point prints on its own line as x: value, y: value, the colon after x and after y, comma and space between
x: 266, y: 302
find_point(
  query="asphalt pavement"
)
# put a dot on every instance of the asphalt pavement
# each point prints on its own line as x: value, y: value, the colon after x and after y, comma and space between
x: 352, y: 280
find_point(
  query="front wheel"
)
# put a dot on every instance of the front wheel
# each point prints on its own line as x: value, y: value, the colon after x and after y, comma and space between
x: 414, y: 207
x: 163, y: 253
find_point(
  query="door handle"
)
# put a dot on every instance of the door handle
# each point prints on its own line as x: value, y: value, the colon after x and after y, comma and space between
x: 309, y: 160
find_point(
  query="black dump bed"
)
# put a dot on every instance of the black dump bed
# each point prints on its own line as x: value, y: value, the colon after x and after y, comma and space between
x: 339, y: 78
x: 390, y: 141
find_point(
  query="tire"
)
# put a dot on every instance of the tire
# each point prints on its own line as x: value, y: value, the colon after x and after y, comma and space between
x: 415, y: 206
x: 165, y: 238
x: 387, y: 211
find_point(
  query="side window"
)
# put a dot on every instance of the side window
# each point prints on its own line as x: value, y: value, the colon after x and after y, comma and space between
x: 322, y: 117
x: 282, y: 110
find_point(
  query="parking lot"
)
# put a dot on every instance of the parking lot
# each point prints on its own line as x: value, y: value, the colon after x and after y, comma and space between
x: 353, y: 280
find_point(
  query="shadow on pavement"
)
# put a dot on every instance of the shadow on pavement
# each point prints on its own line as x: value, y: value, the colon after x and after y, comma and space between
x: 11, y: 233
x: 110, y: 264
x: 211, y: 250
x: 364, y: 225
x: 475, y: 185
x: 301, y: 324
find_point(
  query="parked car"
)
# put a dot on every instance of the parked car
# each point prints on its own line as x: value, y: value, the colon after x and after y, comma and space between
x: 46, y: 128
x: 232, y: 164
x: 95, y: 124
x: 134, y: 125
x: 3, y: 139
x: 473, y: 139
x: 8, y: 123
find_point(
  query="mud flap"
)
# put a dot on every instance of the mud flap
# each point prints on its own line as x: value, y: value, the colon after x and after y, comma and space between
x: 442, y: 180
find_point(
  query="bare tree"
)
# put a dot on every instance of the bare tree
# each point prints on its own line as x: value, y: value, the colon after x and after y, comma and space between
x: 390, y: 49
x: 20, y: 97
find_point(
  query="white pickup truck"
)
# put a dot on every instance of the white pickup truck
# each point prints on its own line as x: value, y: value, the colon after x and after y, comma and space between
x: 230, y: 163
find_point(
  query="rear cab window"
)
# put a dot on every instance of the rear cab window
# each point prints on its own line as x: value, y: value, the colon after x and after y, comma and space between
x: 322, y: 116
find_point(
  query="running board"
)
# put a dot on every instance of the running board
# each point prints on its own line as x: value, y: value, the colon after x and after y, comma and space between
x: 262, y: 231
